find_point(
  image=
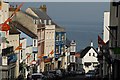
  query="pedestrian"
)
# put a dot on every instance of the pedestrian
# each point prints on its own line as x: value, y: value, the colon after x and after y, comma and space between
x: 20, y: 77
x: 29, y: 77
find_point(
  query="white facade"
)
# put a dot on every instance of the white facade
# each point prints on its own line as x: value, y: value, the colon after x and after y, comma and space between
x: 28, y: 51
x: 106, y: 26
x: 14, y: 41
x: 90, y: 57
x: 4, y: 14
x: 22, y: 51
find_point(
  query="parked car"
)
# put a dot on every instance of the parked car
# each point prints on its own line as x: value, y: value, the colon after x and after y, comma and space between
x: 90, y: 74
x: 59, y: 73
x: 72, y: 73
x: 37, y: 76
x: 49, y: 75
x: 80, y: 72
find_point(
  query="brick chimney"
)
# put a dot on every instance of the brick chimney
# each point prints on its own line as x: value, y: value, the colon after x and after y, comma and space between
x: 43, y: 8
x: 13, y: 8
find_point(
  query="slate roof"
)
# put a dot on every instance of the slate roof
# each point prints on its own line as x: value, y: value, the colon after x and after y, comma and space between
x: 13, y: 30
x: 40, y: 13
x: 34, y: 17
x: 43, y: 16
x: 58, y: 28
x: 23, y: 29
x: 84, y: 51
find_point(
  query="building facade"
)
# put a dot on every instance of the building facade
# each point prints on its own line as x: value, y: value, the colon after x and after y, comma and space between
x: 114, y: 42
x: 71, y: 56
x: 60, y: 41
x: 106, y: 26
x: 89, y: 58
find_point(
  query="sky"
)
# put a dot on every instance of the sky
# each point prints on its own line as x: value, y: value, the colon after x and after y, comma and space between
x: 59, y: 0
x: 83, y: 21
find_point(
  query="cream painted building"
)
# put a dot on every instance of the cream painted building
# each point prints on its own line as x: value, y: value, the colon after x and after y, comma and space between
x: 49, y: 40
x: 46, y: 36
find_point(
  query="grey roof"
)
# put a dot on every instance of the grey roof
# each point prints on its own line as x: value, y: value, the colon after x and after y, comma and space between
x: 34, y: 17
x: 84, y: 51
x: 13, y: 30
x: 23, y: 29
x: 58, y: 28
x: 42, y: 15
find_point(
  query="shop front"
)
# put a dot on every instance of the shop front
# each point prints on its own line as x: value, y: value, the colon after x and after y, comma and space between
x: 9, y: 59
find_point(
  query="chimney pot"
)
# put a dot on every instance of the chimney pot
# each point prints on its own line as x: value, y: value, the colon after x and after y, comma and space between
x: 43, y: 8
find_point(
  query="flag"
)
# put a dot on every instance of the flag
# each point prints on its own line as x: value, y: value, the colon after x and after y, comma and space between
x: 100, y: 41
x: 33, y: 62
x: 28, y: 56
x: 0, y: 5
x: 116, y: 50
x: 51, y: 52
x: 41, y: 56
x: 9, y: 19
x: 4, y: 26
x: 19, y: 47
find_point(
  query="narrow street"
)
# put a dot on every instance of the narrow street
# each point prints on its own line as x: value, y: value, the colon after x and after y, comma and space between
x: 79, y: 77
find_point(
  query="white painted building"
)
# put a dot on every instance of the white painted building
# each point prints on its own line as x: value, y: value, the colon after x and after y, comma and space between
x: 106, y: 26
x: 89, y: 58
x: 13, y: 39
x: 4, y: 14
x: 27, y: 56
x: 23, y: 41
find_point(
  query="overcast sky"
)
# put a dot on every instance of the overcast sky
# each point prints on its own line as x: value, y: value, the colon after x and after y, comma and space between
x: 59, y: 0
x: 82, y: 21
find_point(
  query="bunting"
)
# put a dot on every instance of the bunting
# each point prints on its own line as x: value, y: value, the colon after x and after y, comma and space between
x: 19, y: 47
x: 41, y: 56
x: 28, y: 56
x: 4, y: 26
x: 0, y: 5
x: 33, y: 62
x: 51, y: 52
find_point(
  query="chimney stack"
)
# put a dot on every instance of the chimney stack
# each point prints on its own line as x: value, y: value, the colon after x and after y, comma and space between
x: 43, y: 8
x: 91, y: 44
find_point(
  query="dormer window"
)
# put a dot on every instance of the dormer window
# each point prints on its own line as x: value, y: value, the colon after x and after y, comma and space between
x: 45, y: 22
x: 40, y: 21
x: 34, y: 21
x: 49, y: 22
